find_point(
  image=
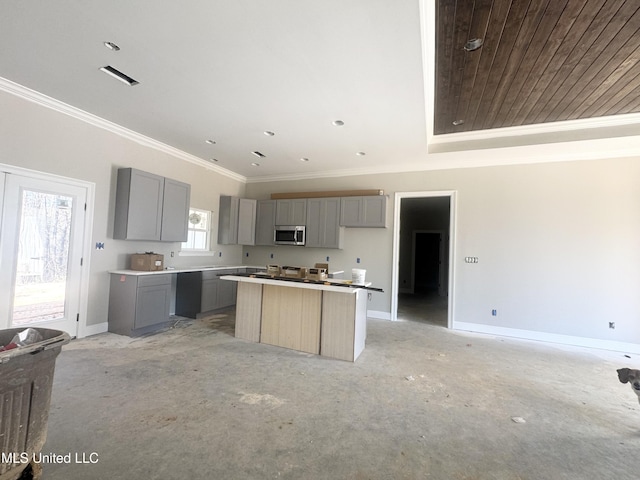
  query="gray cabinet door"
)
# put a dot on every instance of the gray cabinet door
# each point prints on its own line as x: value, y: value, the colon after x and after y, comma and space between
x: 152, y: 305
x: 323, y: 229
x: 351, y: 212
x: 175, y: 211
x: 228, y: 220
x: 375, y: 211
x: 291, y: 211
x: 247, y: 221
x: 333, y: 233
x: 265, y: 222
x: 209, y: 299
x: 138, y: 211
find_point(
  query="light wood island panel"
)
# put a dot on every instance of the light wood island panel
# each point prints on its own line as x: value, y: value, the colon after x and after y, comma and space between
x: 249, y: 311
x: 291, y: 318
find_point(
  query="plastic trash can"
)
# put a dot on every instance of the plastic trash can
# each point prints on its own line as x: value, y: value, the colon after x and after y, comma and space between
x: 26, y: 379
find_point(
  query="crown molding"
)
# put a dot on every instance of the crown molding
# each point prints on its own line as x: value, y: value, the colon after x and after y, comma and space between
x: 61, y: 107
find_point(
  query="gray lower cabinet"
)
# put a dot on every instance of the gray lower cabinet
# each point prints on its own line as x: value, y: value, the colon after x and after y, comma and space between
x: 203, y: 291
x: 323, y: 223
x: 366, y: 211
x: 139, y: 304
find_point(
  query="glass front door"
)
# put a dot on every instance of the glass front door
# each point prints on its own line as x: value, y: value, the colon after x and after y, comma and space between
x: 41, y: 253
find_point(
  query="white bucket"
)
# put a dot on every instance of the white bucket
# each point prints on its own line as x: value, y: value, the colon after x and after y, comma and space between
x: 357, y: 276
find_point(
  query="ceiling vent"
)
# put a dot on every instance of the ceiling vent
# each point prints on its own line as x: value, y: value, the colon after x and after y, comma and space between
x: 119, y: 75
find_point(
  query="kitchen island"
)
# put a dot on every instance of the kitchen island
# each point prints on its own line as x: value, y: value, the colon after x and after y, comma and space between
x: 322, y: 318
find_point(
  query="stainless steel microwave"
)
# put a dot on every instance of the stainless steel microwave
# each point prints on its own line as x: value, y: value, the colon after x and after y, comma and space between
x: 289, y: 235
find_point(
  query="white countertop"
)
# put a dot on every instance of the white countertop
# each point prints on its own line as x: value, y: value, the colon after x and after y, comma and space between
x: 193, y: 269
x: 312, y: 286
x: 181, y: 270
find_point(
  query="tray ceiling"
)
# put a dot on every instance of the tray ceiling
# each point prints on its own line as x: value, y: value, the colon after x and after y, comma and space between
x: 540, y: 61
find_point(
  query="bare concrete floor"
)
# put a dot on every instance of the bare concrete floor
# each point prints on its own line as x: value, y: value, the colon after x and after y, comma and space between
x: 420, y: 402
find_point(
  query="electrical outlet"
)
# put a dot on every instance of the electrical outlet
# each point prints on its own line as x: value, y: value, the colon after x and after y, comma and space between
x: 612, y: 325
x: 171, y: 254
x: 494, y: 312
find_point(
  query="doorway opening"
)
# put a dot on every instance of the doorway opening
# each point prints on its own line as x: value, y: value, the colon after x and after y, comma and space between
x: 423, y: 238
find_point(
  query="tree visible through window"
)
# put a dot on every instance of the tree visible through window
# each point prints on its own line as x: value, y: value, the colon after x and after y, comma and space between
x: 199, y: 230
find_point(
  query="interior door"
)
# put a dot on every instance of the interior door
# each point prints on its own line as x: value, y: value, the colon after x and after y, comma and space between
x: 41, y: 238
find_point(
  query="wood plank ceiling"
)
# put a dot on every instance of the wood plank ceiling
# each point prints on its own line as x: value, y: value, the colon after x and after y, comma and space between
x: 540, y: 61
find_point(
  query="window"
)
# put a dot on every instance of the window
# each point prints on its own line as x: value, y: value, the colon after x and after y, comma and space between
x: 199, y: 231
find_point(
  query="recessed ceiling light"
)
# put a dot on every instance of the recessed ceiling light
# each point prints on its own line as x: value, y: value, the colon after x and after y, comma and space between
x: 109, y: 70
x: 268, y: 133
x: 304, y: 159
x: 259, y: 154
x: 473, y: 44
x: 457, y: 122
x: 338, y: 123
x: 255, y: 164
x: 361, y: 154
x: 210, y: 142
x: 112, y: 46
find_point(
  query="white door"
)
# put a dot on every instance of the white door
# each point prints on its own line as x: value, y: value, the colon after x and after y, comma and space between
x: 41, y: 239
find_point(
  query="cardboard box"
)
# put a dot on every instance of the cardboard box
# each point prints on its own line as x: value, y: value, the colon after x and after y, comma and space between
x: 294, y: 272
x: 317, y: 274
x: 147, y: 262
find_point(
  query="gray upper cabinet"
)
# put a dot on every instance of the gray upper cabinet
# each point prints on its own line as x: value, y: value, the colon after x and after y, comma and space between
x: 145, y: 201
x: 236, y: 221
x: 323, y: 223
x: 368, y: 211
x: 265, y: 222
x: 291, y: 211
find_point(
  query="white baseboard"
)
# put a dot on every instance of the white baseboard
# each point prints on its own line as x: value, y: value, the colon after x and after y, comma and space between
x: 89, y: 330
x: 379, y: 314
x: 549, y: 337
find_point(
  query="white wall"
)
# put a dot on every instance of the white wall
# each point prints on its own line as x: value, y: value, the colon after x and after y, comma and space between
x: 558, y: 246
x: 39, y: 138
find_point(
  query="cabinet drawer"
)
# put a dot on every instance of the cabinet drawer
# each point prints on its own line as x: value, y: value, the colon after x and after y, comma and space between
x: 153, y: 280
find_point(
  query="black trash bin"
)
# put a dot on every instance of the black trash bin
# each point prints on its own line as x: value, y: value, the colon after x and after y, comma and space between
x: 26, y: 378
